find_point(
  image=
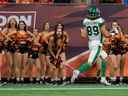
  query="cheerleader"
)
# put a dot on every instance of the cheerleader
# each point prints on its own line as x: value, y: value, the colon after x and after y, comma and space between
x: 23, y: 39
x: 34, y: 53
x: 2, y: 52
x: 116, y: 52
x: 57, y: 49
x: 10, y: 28
x: 44, y: 57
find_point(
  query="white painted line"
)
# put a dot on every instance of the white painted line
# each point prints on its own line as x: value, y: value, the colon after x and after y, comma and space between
x: 59, y: 89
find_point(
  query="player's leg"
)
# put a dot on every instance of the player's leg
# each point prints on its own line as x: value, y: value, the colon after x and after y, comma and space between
x: 117, y: 66
x: 113, y: 67
x: 54, y: 74
x: 43, y: 65
x: 50, y: 71
x: 18, y: 66
x: 54, y: 71
x: 121, y: 65
x: 14, y: 65
x: 104, y: 62
x: 1, y: 59
x: 10, y: 63
x: 63, y: 76
x: 56, y: 77
x: 24, y: 66
x: 2, y: 62
x: 61, y: 73
x: 38, y: 66
x: 48, y: 68
x: 29, y: 68
x: 98, y: 67
x: 92, y: 57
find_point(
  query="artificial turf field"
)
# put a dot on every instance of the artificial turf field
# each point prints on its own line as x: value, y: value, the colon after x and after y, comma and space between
x: 59, y: 90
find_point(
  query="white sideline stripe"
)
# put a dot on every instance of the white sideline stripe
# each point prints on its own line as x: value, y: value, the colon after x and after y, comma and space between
x: 74, y: 58
x: 39, y: 89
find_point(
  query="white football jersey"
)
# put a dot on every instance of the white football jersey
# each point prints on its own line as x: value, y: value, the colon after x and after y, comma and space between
x: 92, y: 27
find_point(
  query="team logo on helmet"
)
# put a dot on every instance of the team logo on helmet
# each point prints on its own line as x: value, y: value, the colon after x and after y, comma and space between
x: 93, y: 12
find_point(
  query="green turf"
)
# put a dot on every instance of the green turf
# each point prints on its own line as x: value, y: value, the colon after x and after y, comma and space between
x: 45, y: 90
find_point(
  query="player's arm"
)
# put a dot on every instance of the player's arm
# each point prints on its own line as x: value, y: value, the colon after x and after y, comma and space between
x: 67, y: 37
x: 58, y: 52
x: 83, y: 33
x: 64, y: 44
x: 9, y: 36
x: 37, y: 39
x: 104, y: 31
x: 107, y: 41
x: 5, y: 31
x: 50, y: 47
x: 2, y: 33
x: 121, y: 33
x: 30, y: 34
x: 46, y: 37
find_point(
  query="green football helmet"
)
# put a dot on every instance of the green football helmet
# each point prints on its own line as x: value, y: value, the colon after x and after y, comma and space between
x: 93, y: 12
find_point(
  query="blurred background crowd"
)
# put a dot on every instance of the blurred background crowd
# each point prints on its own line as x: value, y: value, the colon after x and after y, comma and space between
x: 65, y: 1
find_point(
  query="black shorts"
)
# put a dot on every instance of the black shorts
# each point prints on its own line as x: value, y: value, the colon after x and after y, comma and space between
x: 44, y: 52
x: 123, y: 52
x: 44, y: 49
x: 115, y: 52
x: 23, y: 48
x: 10, y: 47
x: 34, y: 54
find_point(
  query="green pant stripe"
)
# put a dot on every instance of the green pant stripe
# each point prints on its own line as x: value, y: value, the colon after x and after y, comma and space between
x: 98, y: 51
x: 87, y: 65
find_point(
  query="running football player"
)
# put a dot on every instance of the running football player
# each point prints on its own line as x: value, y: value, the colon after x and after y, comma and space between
x: 95, y: 30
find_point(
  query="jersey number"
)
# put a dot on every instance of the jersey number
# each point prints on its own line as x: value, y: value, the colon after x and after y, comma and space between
x: 92, y: 30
